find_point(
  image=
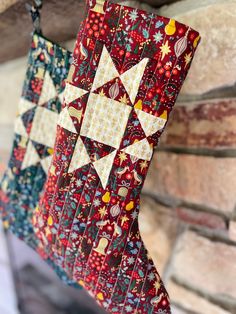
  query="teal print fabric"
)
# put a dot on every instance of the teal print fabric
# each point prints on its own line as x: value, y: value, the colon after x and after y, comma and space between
x: 35, y: 131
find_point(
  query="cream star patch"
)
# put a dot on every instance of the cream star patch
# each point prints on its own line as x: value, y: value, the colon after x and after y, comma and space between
x: 20, y: 128
x: 43, y: 129
x: 25, y: 105
x: 150, y: 123
x: 44, y: 126
x: 132, y: 78
x: 80, y: 156
x: 140, y: 150
x: 72, y: 93
x: 65, y: 121
x: 107, y: 71
x: 103, y: 167
x: 31, y: 156
x: 105, y: 120
x: 48, y: 90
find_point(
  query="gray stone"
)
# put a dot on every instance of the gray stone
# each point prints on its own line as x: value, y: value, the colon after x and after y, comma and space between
x: 158, y: 225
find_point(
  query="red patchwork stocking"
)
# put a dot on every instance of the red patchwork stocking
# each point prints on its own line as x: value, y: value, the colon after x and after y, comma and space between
x: 129, y: 66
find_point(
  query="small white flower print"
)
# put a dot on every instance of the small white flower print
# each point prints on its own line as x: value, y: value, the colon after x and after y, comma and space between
x: 133, y: 15
x: 131, y: 260
x: 97, y: 202
x: 158, y: 37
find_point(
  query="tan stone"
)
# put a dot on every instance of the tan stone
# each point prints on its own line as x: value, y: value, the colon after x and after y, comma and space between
x: 201, y: 180
x: 60, y: 22
x: 191, y: 301
x: 232, y: 230
x: 206, y: 265
x: 158, y: 226
x: 208, y: 124
x: 214, y: 64
x: 5, y: 4
x: 11, y: 81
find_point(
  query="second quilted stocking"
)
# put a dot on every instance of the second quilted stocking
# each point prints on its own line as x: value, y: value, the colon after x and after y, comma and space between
x: 35, y: 132
x: 129, y: 66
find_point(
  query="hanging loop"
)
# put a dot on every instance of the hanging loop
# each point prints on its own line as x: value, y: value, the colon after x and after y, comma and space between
x: 34, y: 11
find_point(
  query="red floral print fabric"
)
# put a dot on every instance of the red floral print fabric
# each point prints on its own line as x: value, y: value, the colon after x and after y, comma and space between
x: 128, y: 69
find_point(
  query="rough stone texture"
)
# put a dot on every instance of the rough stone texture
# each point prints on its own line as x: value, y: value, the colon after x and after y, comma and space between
x: 11, y: 82
x: 209, y: 124
x: 205, y: 265
x: 202, y: 180
x: 214, y: 64
x: 191, y: 301
x: 59, y: 24
x: 201, y: 218
x: 159, y: 228
x: 232, y: 230
x: 5, y: 4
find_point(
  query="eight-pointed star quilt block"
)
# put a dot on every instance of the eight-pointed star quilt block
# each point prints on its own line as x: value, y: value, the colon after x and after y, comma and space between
x: 35, y: 133
x: 103, y: 117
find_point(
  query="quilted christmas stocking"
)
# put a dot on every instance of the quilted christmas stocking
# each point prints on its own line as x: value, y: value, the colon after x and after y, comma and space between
x: 128, y: 68
x: 35, y: 132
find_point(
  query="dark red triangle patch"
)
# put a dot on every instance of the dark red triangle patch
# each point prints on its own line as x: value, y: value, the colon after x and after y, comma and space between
x: 134, y: 131
x: 96, y: 150
x: 114, y: 89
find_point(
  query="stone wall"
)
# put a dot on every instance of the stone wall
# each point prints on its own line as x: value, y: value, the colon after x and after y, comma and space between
x: 188, y: 215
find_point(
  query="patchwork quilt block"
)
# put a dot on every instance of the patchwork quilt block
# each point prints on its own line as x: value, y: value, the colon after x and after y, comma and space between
x: 128, y: 68
x: 35, y: 132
